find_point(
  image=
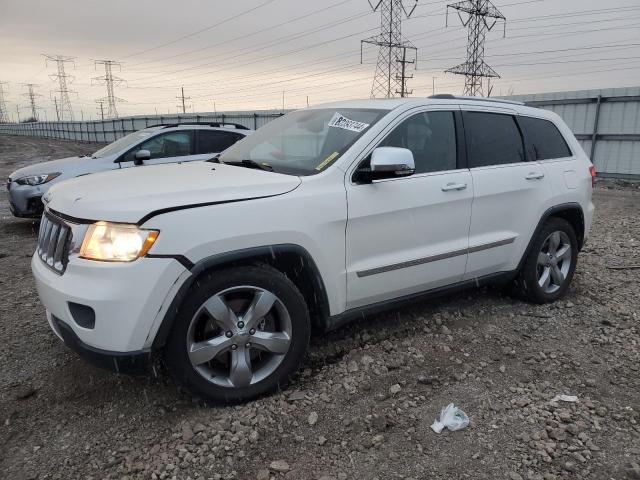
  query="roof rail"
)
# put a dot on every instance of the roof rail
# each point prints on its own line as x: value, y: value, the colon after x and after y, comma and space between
x: 237, y: 126
x: 448, y: 96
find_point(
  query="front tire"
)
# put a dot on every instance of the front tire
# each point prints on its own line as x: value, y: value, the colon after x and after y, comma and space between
x: 240, y: 333
x: 550, y: 264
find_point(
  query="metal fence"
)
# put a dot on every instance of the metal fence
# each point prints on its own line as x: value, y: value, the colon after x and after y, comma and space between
x: 606, y: 122
x: 105, y: 131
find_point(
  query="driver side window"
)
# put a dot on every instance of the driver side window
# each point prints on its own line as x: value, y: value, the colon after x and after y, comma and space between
x: 431, y: 137
x: 170, y: 144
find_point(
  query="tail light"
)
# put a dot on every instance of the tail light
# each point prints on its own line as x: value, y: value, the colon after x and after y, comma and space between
x: 592, y: 172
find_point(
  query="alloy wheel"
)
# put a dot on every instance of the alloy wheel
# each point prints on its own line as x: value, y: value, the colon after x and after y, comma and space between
x: 239, y: 336
x: 554, y: 261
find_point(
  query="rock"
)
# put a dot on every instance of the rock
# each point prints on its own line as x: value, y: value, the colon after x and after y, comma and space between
x: 558, y: 434
x: 313, y: 418
x: 187, y: 432
x: 296, y: 396
x: 263, y: 474
x: 570, y: 466
x: 322, y: 440
x: 352, y: 366
x: 514, y: 476
x: 502, y: 369
x: 280, y: 466
x: 445, y: 330
x: 394, y: 389
x: 25, y: 391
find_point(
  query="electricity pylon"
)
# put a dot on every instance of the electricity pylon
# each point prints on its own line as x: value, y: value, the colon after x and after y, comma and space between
x: 31, y: 95
x: 109, y: 80
x: 64, y: 102
x: 482, y: 16
x: 388, y: 80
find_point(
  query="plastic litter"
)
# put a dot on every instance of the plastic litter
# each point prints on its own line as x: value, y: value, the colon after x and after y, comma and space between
x: 565, y: 398
x: 451, y: 417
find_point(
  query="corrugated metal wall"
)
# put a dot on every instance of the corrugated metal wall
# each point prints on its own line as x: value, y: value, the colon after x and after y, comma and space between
x: 610, y: 117
x: 109, y: 130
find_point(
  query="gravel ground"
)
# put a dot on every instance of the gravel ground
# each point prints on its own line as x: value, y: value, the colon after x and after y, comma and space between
x: 364, y: 402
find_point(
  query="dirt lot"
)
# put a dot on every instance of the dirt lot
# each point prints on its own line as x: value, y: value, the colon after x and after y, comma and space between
x: 363, y: 405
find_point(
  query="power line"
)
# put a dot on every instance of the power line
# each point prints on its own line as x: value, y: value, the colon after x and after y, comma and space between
x: 233, y: 17
x: 390, y: 42
x: 64, y: 105
x: 109, y: 80
x: 482, y: 17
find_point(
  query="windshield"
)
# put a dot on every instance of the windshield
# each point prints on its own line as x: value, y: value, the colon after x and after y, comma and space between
x: 304, y: 142
x: 123, y: 143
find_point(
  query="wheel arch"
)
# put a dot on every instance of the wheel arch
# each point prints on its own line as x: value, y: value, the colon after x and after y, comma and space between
x: 292, y: 260
x: 571, y: 212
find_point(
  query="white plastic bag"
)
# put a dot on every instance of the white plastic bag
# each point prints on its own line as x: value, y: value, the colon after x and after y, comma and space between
x: 451, y: 417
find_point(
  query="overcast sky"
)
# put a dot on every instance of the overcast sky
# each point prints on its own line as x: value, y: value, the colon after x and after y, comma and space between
x: 306, y: 49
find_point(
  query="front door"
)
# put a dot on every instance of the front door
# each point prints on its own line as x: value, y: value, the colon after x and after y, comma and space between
x: 407, y: 235
x: 169, y: 147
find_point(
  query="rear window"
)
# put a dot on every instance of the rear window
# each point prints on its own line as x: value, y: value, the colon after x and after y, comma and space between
x: 544, y: 140
x: 492, y: 139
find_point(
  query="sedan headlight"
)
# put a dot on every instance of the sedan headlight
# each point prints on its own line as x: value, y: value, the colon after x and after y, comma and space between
x: 37, y: 179
x: 116, y: 242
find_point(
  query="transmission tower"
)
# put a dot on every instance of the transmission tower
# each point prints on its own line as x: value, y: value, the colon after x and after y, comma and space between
x: 64, y: 102
x: 31, y: 95
x: 482, y: 16
x: 4, y: 114
x: 388, y: 80
x: 109, y: 80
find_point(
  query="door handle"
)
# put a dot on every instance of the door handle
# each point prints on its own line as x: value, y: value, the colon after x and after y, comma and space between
x: 534, y: 176
x: 453, y: 186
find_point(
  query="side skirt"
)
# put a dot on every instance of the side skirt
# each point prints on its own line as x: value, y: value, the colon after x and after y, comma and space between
x: 344, y: 318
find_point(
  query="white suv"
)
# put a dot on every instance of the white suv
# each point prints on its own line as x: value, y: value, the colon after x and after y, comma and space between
x: 166, y: 143
x: 222, y: 270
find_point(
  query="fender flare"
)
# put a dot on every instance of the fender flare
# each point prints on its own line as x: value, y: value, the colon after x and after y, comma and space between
x: 550, y: 212
x: 235, y: 257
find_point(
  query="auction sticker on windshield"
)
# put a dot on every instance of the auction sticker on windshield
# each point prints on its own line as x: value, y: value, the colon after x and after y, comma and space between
x: 340, y: 121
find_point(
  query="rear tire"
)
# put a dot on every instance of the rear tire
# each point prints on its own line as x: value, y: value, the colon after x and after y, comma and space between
x: 549, y: 266
x: 240, y: 333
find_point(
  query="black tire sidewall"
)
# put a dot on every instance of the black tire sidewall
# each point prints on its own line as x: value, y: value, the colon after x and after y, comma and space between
x: 529, y: 274
x: 175, y: 353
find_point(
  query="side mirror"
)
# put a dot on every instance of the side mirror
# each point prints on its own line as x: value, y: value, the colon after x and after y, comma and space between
x: 140, y: 156
x: 392, y: 162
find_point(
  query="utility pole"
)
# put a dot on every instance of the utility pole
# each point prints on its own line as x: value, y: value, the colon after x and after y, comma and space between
x: 183, y: 98
x: 403, y: 76
x: 109, y: 80
x: 283, y: 101
x: 433, y: 85
x: 63, y: 88
x: 4, y: 114
x: 18, y: 112
x: 31, y: 95
x: 386, y: 81
x: 55, y: 101
x: 101, y: 103
x: 482, y: 16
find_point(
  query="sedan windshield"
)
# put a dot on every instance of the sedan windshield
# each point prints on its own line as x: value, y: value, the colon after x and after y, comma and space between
x: 304, y: 142
x: 123, y: 143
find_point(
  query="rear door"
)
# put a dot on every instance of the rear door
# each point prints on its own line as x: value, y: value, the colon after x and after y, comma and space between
x: 209, y: 142
x: 510, y: 193
x: 407, y: 235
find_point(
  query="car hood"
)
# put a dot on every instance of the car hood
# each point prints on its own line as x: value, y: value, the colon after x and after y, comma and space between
x: 133, y: 194
x: 78, y: 165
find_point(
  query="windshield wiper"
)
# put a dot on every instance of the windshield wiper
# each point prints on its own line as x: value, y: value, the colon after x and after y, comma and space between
x: 251, y: 164
x: 214, y: 159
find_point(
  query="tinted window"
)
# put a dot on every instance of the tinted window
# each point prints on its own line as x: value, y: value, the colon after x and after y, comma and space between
x: 492, y: 139
x: 431, y: 137
x: 544, y: 141
x: 170, y: 144
x: 214, y: 141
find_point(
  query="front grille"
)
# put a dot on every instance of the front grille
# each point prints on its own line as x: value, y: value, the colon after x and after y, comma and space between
x: 53, y: 243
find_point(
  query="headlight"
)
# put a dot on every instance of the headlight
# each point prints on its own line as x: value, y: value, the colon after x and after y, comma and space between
x: 37, y: 179
x: 116, y: 242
